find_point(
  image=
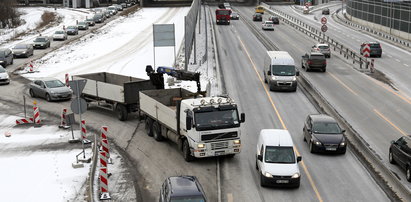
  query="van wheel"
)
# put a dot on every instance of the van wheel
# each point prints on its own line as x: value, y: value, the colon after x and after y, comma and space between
x: 121, y: 112
x: 262, y: 182
x: 305, y: 140
x: 230, y: 156
x: 149, y: 126
x: 256, y: 163
x: 391, y: 158
x: 187, y: 152
x: 157, y: 132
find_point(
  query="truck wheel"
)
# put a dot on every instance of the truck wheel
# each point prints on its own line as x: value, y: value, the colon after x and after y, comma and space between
x: 149, y: 126
x: 157, y: 132
x: 186, y: 152
x: 230, y: 156
x: 121, y: 112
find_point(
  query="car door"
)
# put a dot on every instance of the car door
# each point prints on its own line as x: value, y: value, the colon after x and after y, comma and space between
x: 397, y: 151
x: 9, y: 56
x: 42, y: 89
x: 307, y: 127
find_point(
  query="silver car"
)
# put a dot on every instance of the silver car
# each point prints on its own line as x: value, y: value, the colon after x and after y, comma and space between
x: 50, y: 89
x: 4, y: 76
x: 59, y: 35
x: 22, y: 50
x: 322, y: 48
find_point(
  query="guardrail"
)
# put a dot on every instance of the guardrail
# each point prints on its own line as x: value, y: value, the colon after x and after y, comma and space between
x: 364, y: 64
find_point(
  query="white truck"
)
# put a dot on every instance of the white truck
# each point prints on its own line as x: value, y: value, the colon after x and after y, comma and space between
x: 200, y: 126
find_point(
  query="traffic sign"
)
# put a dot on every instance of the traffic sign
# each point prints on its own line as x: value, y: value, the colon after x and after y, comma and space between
x: 323, y: 20
x: 77, y: 86
x: 324, y: 28
x: 78, y: 105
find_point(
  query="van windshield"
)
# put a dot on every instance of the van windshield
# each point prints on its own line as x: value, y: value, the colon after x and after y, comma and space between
x: 188, y: 199
x: 279, y: 155
x: 283, y: 70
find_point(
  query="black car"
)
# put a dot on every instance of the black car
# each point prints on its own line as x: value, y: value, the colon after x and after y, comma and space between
x: 90, y: 22
x: 274, y: 19
x: 374, y: 49
x: 400, y: 153
x: 6, y: 57
x: 72, y: 30
x: 98, y: 18
x: 326, y: 11
x: 258, y: 17
x: 182, y: 188
x: 41, y: 42
x: 324, y: 134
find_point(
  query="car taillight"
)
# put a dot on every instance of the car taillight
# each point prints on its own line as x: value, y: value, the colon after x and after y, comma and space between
x: 309, y: 62
x: 325, y: 62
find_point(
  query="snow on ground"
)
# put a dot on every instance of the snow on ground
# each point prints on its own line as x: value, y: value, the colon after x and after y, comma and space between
x: 30, y: 166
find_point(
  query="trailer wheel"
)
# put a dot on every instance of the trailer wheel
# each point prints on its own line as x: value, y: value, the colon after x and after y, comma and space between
x: 149, y: 126
x: 157, y: 132
x: 121, y: 112
x: 187, y: 152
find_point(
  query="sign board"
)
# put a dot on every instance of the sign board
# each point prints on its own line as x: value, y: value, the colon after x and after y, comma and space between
x: 324, y: 28
x: 77, y: 86
x: 323, y: 20
x: 70, y: 119
x: 366, y: 50
x: 78, y: 105
x: 163, y: 35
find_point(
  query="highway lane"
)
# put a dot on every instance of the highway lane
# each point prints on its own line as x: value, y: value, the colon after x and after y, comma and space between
x: 324, y: 177
x: 395, y: 61
x: 374, y: 110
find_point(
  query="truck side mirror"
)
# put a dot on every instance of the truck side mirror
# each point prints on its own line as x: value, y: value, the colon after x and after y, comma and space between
x: 260, y: 158
x: 242, y: 118
x: 268, y: 72
x: 299, y: 158
x: 189, y: 123
x: 343, y: 131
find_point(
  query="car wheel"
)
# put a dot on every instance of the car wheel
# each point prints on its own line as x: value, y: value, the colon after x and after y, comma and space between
x: 325, y: 69
x: 391, y: 158
x: 48, y: 98
x: 187, y: 152
x: 149, y: 126
x: 31, y: 92
x: 312, y: 147
x: 157, y: 132
x: 408, y: 173
x: 305, y: 140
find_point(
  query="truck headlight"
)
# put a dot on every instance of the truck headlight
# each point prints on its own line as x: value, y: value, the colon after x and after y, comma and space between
x: 201, y: 146
x: 237, y: 142
x: 296, y: 175
x: 268, y: 175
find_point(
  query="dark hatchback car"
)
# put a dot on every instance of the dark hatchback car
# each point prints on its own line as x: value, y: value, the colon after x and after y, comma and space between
x: 182, y: 188
x: 41, y: 42
x: 258, y: 17
x: 6, y: 57
x: 23, y: 50
x: 400, y: 153
x: 375, y: 48
x: 323, y: 134
x: 90, y: 22
x: 274, y: 19
x: 98, y: 18
x: 326, y: 11
x: 72, y: 30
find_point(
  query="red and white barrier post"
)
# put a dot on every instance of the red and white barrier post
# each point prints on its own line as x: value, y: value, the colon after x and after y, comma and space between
x: 36, y: 114
x: 67, y: 80
x: 104, y: 131
x: 31, y: 68
x: 84, y: 132
x: 63, y: 123
x: 104, y: 194
x: 103, y: 159
x: 104, y: 142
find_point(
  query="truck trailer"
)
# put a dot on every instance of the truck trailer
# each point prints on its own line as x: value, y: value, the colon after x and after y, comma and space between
x: 200, y: 126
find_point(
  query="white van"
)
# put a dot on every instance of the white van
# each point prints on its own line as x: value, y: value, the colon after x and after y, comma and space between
x: 276, y: 160
x: 279, y: 71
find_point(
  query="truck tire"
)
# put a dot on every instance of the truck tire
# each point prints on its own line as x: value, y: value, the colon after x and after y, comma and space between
x: 187, y: 152
x: 121, y: 112
x: 149, y: 126
x: 157, y: 132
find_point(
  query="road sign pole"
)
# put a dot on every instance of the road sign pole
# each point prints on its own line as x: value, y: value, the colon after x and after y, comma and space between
x: 78, y: 102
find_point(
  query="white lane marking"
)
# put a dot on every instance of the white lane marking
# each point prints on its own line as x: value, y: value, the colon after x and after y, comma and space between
x: 389, y: 56
x: 398, y: 60
x: 406, y: 65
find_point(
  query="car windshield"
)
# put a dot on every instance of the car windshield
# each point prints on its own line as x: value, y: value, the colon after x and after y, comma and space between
x: 279, y: 154
x: 323, y: 47
x: 269, y: 22
x: 59, y: 32
x: 40, y: 40
x: 283, y: 70
x: 71, y: 27
x: 2, y: 70
x: 2, y: 54
x: 82, y: 23
x: 326, y: 128
x: 317, y: 57
x: 375, y: 45
x: 20, y: 46
x: 54, y: 84
x: 216, y: 119
x: 188, y: 199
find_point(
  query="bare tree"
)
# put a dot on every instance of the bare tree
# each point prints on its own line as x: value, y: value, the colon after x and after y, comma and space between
x: 9, y: 17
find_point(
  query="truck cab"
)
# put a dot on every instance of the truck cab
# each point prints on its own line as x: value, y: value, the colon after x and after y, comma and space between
x: 223, y: 16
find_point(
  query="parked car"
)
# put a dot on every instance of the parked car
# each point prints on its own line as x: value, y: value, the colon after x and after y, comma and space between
x: 235, y: 16
x: 325, y: 11
x: 72, y: 30
x: 258, y: 17
x: 90, y: 21
x: 322, y: 48
x: 22, y: 50
x: 82, y: 25
x: 41, y: 42
x: 375, y: 48
x: 113, y: 9
x: 59, y: 35
x: 182, y: 188
x: 98, y: 18
x: 268, y: 25
x: 50, y: 89
x: 276, y: 159
x: 323, y: 134
x: 314, y: 60
x: 107, y: 13
x: 274, y: 19
x: 400, y: 153
x: 4, y: 76
x: 6, y: 57
x: 119, y: 7
x: 124, y: 5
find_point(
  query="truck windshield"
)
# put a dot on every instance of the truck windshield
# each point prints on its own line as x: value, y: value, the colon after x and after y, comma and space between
x: 216, y: 119
x: 222, y: 12
x: 283, y: 70
x: 189, y: 199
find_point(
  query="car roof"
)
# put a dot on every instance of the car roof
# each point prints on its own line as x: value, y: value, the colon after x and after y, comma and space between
x: 268, y: 21
x: 322, y: 44
x: 322, y: 118
x: 185, y: 186
x: 258, y: 14
x: 46, y: 79
x: 371, y: 42
x: 276, y: 137
x: 316, y: 53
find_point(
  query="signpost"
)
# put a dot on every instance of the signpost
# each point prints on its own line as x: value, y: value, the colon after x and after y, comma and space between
x: 323, y: 20
x: 324, y: 28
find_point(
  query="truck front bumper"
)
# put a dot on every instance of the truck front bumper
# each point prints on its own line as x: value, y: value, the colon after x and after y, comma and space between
x: 218, y: 149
